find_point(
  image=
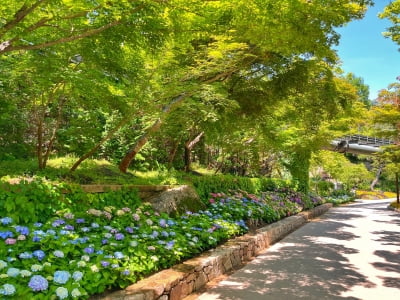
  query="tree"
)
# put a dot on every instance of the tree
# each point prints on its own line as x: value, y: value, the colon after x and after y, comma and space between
x: 391, y: 12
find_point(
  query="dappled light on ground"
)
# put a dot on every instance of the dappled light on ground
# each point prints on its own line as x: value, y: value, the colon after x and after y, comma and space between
x: 351, y: 253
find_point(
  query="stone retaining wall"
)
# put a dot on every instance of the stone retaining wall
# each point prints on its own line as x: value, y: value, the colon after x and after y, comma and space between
x: 181, y: 280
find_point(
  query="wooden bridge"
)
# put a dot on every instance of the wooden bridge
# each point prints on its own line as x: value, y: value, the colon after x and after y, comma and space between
x: 359, y: 144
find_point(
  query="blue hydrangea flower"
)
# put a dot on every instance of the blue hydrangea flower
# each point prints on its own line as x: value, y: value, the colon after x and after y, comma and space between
x: 58, y: 253
x: 6, y: 234
x: 62, y: 292
x: 6, y: 220
x: 37, y: 224
x: 77, y: 275
x: 7, y: 290
x: 118, y: 255
x: 39, y: 254
x: 61, y: 277
x: 125, y: 272
x: 104, y: 241
x: 13, y: 272
x: 36, y: 238
x: 38, y: 283
x: 22, y: 230
x: 85, y: 229
x: 170, y: 245
x: 25, y: 255
x: 95, y: 225
x: 58, y: 222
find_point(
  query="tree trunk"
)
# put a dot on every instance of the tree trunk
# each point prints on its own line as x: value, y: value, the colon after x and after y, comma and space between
x: 376, y: 179
x: 188, y: 149
x: 172, y: 154
x: 97, y: 146
x: 299, y: 168
x: 54, y: 133
x: 39, y: 147
x: 397, y: 188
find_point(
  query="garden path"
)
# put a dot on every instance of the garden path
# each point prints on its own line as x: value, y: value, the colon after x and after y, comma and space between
x: 351, y: 252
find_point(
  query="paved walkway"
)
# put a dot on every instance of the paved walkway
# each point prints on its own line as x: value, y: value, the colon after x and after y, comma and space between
x: 351, y: 252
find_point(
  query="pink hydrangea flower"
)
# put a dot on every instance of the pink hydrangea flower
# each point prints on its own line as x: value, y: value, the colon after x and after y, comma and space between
x: 10, y: 241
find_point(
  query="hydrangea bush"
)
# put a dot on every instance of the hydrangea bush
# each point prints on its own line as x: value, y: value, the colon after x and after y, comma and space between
x: 77, y: 254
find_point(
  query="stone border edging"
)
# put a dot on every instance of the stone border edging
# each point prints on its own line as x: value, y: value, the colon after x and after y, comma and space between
x: 183, y: 279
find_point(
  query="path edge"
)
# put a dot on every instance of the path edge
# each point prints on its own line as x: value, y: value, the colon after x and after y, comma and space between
x: 190, y: 276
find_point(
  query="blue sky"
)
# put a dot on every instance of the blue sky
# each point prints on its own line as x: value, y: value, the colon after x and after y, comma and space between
x: 366, y: 53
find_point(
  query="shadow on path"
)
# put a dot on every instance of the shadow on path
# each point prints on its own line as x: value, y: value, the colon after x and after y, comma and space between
x: 322, y: 260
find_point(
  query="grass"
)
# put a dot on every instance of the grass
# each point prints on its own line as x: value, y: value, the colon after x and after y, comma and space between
x: 91, y: 171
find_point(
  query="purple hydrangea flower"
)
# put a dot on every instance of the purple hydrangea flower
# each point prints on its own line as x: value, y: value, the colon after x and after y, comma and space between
x: 119, y: 236
x: 162, y: 223
x: 89, y: 250
x: 125, y: 272
x: 38, y: 283
x: 104, y: 241
x: 104, y: 263
x: 129, y: 229
x: 69, y: 227
x: 80, y: 221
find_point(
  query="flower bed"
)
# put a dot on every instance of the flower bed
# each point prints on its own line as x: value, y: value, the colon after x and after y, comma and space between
x: 77, y: 254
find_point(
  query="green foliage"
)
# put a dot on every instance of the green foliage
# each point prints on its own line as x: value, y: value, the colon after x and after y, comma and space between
x: 207, y: 185
x: 36, y: 200
x: 341, y: 169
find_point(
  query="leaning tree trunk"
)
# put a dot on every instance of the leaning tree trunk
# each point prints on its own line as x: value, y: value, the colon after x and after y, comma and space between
x: 188, y: 149
x: 97, y: 146
x: 376, y: 179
